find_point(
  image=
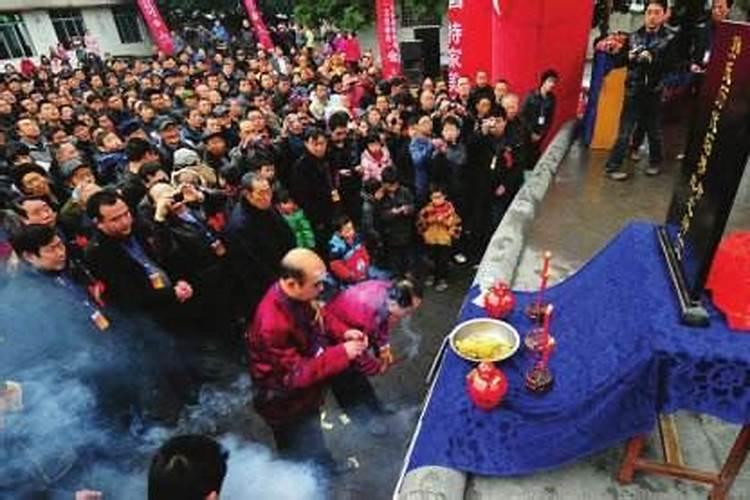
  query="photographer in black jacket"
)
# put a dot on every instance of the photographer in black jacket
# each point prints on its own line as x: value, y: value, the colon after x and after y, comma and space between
x: 647, y: 58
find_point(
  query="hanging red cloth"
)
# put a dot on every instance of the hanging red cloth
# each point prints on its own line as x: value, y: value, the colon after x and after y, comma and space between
x: 729, y: 279
x: 390, y: 54
x: 156, y: 26
x: 259, y: 27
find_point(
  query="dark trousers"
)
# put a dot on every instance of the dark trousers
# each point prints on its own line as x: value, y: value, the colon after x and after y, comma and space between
x: 302, y: 440
x: 644, y: 109
x: 400, y: 259
x: 440, y: 255
x: 355, y: 395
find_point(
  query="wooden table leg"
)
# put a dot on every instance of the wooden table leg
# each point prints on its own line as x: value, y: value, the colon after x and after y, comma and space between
x: 732, y: 465
x: 632, y: 452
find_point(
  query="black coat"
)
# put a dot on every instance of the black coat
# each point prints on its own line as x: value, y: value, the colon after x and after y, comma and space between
x: 258, y: 240
x: 312, y: 187
x: 128, y: 284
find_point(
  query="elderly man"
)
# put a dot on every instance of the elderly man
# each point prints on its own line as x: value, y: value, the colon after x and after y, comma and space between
x: 292, y: 356
x: 258, y: 238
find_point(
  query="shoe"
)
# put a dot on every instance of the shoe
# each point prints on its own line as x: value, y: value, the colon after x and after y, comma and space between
x: 429, y: 281
x: 459, y: 258
x: 441, y: 286
x: 617, y: 175
x: 652, y: 170
x: 635, y: 155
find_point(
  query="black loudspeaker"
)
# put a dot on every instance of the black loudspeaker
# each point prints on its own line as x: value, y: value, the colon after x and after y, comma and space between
x: 430, y: 38
x: 412, y: 62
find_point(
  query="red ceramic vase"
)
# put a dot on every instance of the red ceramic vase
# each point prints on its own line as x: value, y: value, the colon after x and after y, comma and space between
x: 486, y: 386
x: 499, y: 301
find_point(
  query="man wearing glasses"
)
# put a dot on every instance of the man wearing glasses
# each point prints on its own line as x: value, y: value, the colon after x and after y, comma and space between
x: 292, y: 356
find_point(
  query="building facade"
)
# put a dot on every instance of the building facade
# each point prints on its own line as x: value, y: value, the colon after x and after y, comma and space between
x: 28, y: 28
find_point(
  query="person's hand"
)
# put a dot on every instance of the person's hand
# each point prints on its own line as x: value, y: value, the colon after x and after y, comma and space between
x: 354, y: 348
x: 500, y: 190
x: 11, y: 397
x: 89, y: 495
x: 386, y: 356
x: 535, y: 137
x: 354, y: 335
x: 645, y: 56
x: 163, y: 208
x: 183, y: 291
x: 220, y: 250
x: 191, y: 194
x: 696, y: 68
x: 345, y: 172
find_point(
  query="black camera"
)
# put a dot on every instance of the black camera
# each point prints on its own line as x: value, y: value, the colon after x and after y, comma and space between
x: 178, y: 198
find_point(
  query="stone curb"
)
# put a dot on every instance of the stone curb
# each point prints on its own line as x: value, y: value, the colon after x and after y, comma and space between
x: 499, y: 262
x: 503, y: 254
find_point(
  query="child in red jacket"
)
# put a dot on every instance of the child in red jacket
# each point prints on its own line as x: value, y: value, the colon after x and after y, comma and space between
x: 348, y: 256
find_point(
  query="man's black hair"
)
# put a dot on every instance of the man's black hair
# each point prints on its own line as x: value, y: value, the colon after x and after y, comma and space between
x: 451, y: 120
x: 188, y: 467
x: 404, y: 292
x: 337, y: 120
x: 548, y: 73
x: 499, y: 112
x: 370, y: 186
x: 389, y: 175
x: 105, y: 197
x: 31, y: 238
x: 148, y: 170
x: 137, y: 148
x: 662, y: 3
x: 313, y: 133
x: 340, y: 221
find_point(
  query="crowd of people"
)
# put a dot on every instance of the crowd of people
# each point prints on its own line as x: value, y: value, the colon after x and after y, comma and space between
x: 174, y: 221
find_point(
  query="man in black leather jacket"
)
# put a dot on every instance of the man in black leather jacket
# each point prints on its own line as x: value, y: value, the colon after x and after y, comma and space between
x: 647, y: 58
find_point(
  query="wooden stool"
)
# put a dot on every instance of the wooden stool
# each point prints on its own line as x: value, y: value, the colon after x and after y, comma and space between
x: 673, y: 464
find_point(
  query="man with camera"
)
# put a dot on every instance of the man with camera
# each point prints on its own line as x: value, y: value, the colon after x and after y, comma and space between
x: 647, y: 58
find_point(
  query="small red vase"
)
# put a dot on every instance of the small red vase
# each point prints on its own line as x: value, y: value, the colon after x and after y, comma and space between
x: 499, y: 301
x: 486, y: 385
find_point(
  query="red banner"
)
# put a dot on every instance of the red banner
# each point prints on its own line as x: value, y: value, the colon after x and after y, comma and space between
x: 529, y: 36
x: 390, y: 55
x: 469, y: 23
x: 156, y: 26
x: 259, y: 27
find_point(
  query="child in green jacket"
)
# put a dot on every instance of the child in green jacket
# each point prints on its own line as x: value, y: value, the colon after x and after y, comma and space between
x: 296, y: 219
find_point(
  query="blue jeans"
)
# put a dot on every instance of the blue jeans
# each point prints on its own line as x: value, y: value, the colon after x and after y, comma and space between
x: 644, y: 109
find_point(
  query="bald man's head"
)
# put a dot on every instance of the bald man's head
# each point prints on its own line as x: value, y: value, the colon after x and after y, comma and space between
x: 302, y: 274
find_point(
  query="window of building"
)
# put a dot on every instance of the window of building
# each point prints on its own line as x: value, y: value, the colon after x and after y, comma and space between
x: 68, y: 24
x: 14, y: 37
x: 412, y: 14
x: 128, y: 27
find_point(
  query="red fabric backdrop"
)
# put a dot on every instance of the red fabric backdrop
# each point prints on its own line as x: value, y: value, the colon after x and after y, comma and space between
x: 529, y: 36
